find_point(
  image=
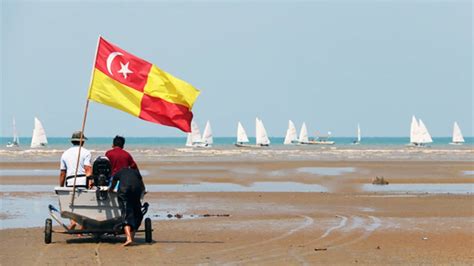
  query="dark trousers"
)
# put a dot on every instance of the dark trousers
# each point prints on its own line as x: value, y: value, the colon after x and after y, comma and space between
x: 130, y: 206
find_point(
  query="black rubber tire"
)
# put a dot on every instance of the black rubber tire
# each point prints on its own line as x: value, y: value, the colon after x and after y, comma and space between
x: 48, y: 231
x: 148, y: 230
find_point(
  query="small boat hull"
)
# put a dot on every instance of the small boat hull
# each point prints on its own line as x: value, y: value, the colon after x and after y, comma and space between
x: 94, y: 204
x: 316, y: 142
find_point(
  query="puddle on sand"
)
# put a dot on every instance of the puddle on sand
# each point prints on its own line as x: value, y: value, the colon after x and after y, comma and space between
x: 22, y: 212
x: 332, y: 171
x: 462, y: 188
x: 31, y: 211
x: 468, y: 172
x: 229, y: 187
x: 29, y: 172
x: 200, y: 187
x: 39, y: 172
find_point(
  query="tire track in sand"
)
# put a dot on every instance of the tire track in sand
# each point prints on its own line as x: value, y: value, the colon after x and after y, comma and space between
x: 307, y: 222
x: 368, y: 229
x: 281, y: 251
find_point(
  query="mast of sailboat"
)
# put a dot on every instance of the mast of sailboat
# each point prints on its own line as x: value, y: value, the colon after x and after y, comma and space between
x: 16, y: 139
x: 358, y: 133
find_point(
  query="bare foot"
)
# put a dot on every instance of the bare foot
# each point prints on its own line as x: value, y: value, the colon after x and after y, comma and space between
x: 129, y: 242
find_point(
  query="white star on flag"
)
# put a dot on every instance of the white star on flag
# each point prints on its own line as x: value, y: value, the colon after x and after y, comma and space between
x: 124, y: 70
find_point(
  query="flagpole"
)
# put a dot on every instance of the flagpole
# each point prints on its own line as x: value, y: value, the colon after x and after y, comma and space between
x: 81, y: 141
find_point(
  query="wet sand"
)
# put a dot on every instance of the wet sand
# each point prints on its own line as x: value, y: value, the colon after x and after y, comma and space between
x: 344, y: 226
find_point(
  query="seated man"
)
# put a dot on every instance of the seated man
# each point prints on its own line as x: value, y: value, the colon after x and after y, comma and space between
x: 68, y: 166
x: 130, y: 190
x: 69, y: 162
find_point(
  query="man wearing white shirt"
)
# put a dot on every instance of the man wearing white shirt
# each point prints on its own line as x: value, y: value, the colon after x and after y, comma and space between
x: 69, y: 162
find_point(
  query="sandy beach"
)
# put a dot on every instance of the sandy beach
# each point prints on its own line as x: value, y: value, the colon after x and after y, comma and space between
x: 345, y: 225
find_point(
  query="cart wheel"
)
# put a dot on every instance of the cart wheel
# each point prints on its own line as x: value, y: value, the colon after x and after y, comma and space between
x: 148, y: 230
x: 48, y: 231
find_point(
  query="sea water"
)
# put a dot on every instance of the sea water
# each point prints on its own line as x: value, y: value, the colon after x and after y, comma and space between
x: 174, y: 149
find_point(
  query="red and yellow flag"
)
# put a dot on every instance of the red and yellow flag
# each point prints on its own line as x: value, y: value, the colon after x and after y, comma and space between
x: 131, y: 84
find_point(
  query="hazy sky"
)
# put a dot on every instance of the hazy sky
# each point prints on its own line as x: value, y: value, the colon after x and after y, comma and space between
x: 332, y: 64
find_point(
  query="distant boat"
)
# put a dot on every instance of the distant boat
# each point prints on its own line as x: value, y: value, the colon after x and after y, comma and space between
x: 357, y: 141
x: 39, y: 135
x: 194, y: 138
x: 16, y: 140
x: 207, y: 135
x: 303, y: 138
x: 458, y: 139
x: 321, y: 140
x: 291, y: 135
x: 261, y: 135
x: 241, y: 137
x: 419, y: 135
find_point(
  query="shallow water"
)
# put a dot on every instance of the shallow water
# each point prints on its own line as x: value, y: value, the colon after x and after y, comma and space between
x: 468, y: 172
x: 332, y: 171
x: 29, y: 172
x: 462, y: 188
x: 200, y: 187
x: 32, y: 210
x: 40, y: 172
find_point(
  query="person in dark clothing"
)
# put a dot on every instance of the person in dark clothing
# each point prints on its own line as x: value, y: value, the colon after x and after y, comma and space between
x: 119, y: 158
x: 130, y: 190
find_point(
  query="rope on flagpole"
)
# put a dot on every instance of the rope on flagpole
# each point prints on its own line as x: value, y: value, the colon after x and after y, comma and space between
x: 81, y: 141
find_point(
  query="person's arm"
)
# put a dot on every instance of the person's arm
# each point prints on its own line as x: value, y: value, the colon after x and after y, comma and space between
x: 113, y: 183
x: 132, y: 163
x: 88, y: 169
x: 62, y: 171
x: 62, y: 177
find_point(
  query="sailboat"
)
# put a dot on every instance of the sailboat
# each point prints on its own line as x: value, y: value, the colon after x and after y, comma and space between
x: 261, y: 135
x: 357, y: 141
x: 241, y: 136
x: 194, y: 138
x: 207, y: 135
x: 291, y: 136
x: 16, y: 140
x: 39, y: 135
x: 458, y: 139
x: 419, y: 134
x: 303, y: 138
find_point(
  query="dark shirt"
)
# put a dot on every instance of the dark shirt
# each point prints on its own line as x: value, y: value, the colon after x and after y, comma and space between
x: 130, y: 181
x: 119, y: 159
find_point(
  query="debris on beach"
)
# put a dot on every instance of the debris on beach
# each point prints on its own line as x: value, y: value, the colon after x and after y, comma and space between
x: 320, y: 249
x: 425, y: 238
x: 181, y: 216
x: 215, y: 215
x: 379, y: 181
x: 378, y: 247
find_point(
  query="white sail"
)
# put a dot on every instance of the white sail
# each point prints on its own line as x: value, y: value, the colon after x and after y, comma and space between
x: 189, y: 141
x: 303, y: 134
x: 195, y: 133
x: 457, y: 135
x: 414, y: 131
x: 207, y: 134
x: 241, y: 134
x: 261, y: 134
x: 358, y: 133
x: 291, y: 134
x: 16, y: 139
x: 425, y: 135
x: 39, y: 135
